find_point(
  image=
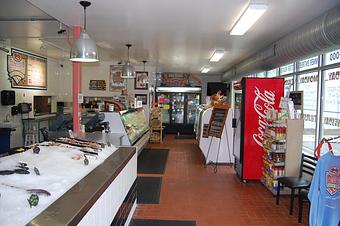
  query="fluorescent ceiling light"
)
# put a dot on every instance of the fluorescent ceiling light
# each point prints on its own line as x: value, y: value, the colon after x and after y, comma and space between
x: 205, y: 69
x: 218, y: 54
x: 248, y: 18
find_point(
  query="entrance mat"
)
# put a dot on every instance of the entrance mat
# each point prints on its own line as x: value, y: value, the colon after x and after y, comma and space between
x: 148, y: 190
x: 137, y: 222
x: 185, y: 137
x: 152, y: 161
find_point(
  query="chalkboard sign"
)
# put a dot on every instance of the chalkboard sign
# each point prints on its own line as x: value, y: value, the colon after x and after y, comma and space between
x: 205, y: 131
x: 217, y: 120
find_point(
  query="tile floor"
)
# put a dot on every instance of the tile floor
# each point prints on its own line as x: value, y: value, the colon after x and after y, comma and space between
x: 191, y: 192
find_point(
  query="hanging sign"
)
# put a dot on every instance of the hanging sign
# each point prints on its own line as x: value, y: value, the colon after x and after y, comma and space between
x: 27, y: 70
x: 180, y: 80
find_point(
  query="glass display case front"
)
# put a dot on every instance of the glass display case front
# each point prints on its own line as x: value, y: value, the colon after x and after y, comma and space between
x: 177, y: 108
x: 135, y: 124
x: 192, y: 103
x: 164, y: 103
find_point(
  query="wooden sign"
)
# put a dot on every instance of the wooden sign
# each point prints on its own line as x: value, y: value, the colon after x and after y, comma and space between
x: 27, y: 70
x: 97, y: 85
x: 217, y: 120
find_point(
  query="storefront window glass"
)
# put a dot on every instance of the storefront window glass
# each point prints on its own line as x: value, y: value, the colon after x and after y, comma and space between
x: 272, y: 73
x: 332, y: 57
x: 261, y: 75
x: 309, y: 84
x: 308, y: 64
x: 289, y: 84
x: 331, y: 105
x: 287, y: 69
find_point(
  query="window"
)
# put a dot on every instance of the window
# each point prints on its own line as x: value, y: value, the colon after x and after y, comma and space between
x: 332, y: 57
x: 331, y: 105
x: 307, y: 64
x: 309, y: 84
x: 287, y: 69
x: 261, y: 75
x: 272, y: 73
x: 289, y: 84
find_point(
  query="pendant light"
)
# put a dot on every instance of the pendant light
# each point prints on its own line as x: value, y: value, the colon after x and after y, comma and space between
x: 144, y: 77
x: 128, y: 69
x: 84, y: 49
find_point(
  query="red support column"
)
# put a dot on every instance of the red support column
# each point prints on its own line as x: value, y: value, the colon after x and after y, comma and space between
x: 76, y: 67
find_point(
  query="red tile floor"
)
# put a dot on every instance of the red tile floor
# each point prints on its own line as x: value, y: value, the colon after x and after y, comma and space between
x: 191, y: 192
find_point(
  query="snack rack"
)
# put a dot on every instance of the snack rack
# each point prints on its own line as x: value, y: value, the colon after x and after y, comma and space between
x: 156, y: 128
x: 282, y: 145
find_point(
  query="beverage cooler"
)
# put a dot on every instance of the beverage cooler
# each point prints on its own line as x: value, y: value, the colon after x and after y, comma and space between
x: 178, y: 106
x: 258, y: 96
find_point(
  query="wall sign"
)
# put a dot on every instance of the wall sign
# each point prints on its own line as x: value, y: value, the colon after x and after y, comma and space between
x: 179, y: 80
x: 97, y: 85
x: 27, y: 70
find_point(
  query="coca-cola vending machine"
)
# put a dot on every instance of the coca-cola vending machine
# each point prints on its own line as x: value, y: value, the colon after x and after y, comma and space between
x: 258, y: 96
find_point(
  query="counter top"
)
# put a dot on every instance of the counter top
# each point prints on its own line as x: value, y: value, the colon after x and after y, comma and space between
x: 70, y: 208
x: 5, y: 130
x: 113, y: 138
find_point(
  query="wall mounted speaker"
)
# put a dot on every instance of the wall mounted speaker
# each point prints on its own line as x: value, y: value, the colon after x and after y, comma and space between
x: 7, y: 97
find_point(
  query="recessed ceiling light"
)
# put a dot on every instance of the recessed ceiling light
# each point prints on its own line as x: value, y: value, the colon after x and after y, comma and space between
x: 205, y: 69
x: 248, y: 18
x: 217, y: 55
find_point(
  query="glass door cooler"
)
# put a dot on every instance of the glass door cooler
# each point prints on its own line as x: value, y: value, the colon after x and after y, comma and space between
x: 178, y: 108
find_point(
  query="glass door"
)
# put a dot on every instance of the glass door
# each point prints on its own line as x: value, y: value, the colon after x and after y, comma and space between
x: 164, y: 102
x: 177, y: 108
x: 193, y: 100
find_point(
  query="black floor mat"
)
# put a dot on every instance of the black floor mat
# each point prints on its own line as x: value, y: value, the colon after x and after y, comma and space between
x: 185, y: 137
x: 148, y: 190
x: 152, y: 161
x: 136, y: 222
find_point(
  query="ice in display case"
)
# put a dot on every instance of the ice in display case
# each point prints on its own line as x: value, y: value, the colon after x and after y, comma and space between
x: 135, y: 124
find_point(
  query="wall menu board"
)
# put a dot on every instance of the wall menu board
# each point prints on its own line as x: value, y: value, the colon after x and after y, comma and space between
x: 217, y: 120
x: 27, y: 70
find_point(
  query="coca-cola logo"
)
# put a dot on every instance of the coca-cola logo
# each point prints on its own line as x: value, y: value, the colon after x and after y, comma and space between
x: 262, y: 103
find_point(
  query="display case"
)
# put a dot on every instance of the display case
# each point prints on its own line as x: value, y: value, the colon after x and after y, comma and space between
x: 198, y: 120
x: 135, y: 124
x: 178, y: 106
x: 132, y: 126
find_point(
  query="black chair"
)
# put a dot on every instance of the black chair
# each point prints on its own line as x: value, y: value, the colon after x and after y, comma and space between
x: 307, y: 166
x: 303, y: 197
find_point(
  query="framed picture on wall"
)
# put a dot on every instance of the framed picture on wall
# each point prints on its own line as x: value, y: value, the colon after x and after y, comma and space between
x: 142, y: 97
x: 141, y: 77
x: 116, y: 81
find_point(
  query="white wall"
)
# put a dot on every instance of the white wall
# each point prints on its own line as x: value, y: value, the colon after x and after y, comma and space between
x: 59, y: 86
x: 56, y: 77
x: 101, y: 71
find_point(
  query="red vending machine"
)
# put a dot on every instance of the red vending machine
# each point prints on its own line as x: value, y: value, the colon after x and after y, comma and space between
x: 258, y: 96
